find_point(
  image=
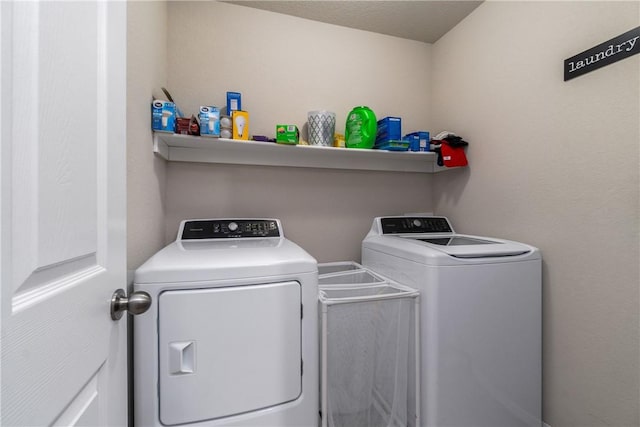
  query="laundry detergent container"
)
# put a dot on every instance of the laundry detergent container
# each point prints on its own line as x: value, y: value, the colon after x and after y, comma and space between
x: 369, y: 348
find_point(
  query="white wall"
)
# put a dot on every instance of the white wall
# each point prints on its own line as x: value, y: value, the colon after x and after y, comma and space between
x: 146, y: 174
x: 327, y: 212
x: 555, y: 164
x: 284, y: 67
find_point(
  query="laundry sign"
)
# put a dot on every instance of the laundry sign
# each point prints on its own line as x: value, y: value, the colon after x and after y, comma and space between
x: 623, y: 46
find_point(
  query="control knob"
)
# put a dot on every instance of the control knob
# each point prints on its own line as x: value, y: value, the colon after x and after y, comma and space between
x: 233, y: 226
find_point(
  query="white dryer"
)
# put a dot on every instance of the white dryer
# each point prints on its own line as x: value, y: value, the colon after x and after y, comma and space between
x: 481, y: 331
x: 231, y: 337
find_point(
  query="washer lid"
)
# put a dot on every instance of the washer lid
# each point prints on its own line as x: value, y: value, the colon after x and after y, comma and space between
x: 207, y: 260
x: 431, y: 240
x: 450, y: 250
x: 465, y: 246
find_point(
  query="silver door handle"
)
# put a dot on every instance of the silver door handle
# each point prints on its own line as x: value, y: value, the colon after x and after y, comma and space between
x: 136, y: 303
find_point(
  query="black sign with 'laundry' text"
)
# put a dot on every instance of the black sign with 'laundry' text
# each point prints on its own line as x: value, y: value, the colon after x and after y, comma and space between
x: 623, y: 46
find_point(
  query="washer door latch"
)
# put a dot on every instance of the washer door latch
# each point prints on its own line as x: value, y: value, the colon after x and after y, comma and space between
x: 137, y: 303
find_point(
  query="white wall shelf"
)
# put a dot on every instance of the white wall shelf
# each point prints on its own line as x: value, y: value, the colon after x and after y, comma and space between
x: 186, y: 148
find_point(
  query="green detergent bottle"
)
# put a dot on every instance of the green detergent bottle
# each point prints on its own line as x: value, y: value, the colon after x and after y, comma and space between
x: 361, y: 128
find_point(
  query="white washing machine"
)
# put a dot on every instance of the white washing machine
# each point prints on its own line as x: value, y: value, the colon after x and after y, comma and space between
x: 481, y: 331
x: 231, y: 337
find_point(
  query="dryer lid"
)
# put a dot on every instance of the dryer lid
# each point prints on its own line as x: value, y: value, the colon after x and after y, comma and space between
x: 231, y: 259
x: 222, y: 249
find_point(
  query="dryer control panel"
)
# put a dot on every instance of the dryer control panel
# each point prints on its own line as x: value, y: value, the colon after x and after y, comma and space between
x: 229, y: 228
x: 411, y: 224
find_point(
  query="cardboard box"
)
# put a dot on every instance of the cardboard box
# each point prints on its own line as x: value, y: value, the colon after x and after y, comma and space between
x: 389, y: 128
x: 418, y: 141
x: 287, y: 134
x: 187, y: 126
x: 240, y: 120
x: 163, y: 116
x: 209, y: 121
x: 234, y: 102
x: 394, y: 145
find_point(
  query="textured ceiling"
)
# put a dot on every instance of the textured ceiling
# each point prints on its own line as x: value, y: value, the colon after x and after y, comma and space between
x: 424, y: 21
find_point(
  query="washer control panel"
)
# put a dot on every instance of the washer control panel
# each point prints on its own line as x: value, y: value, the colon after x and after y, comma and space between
x: 229, y: 228
x: 413, y: 224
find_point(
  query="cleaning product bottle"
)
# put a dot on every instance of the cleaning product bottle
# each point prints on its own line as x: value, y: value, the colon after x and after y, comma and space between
x: 361, y: 127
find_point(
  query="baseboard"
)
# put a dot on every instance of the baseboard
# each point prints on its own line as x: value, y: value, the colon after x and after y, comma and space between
x: 545, y: 424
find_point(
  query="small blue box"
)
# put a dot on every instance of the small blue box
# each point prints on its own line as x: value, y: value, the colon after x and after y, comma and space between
x: 418, y: 141
x: 163, y: 116
x: 389, y: 128
x: 234, y: 102
x: 209, y: 121
x: 394, y: 145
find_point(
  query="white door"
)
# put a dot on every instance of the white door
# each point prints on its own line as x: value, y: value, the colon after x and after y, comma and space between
x: 62, y: 192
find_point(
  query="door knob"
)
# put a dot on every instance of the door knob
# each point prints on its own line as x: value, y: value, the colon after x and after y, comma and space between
x: 136, y: 303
